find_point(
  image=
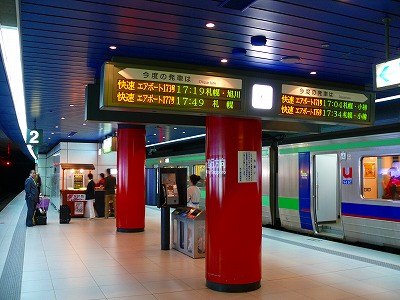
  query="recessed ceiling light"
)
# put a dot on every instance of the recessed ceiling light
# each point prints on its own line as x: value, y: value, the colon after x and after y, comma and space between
x: 84, y: 124
x: 52, y: 133
x: 113, y: 47
x: 325, y: 45
x: 210, y: 25
x: 313, y: 73
x: 49, y: 138
x: 56, y: 126
x: 71, y: 105
x: 175, y: 128
x: 224, y: 60
x: 154, y: 133
x: 163, y: 137
x: 183, y: 131
x: 62, y: 118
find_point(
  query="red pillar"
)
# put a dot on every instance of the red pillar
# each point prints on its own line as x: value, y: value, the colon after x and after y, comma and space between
x: 130, y: 197
x: 233, y: 201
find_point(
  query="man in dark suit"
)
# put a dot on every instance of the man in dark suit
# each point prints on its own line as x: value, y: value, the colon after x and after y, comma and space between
x: 31, y: 197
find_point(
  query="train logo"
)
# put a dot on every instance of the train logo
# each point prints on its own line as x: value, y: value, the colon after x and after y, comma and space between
x: 347, y: 175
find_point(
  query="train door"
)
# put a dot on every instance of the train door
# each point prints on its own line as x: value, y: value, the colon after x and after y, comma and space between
x: 326, y: 195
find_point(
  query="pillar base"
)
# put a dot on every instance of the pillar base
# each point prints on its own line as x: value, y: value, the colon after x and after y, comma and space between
x: 130, y: 230
x: 233, y: 288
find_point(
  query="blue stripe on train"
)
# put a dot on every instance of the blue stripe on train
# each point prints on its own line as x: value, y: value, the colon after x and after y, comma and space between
x: 304, y: 191
x: 378, y: 212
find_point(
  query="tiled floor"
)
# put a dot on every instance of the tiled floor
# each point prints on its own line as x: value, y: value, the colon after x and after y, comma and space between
x: 90, y: 260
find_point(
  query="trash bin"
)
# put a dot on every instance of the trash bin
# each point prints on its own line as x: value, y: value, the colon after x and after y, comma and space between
x: 188, y: 231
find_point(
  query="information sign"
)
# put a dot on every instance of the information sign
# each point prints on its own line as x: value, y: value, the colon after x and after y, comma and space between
x: 157, y: 90
x: 322, y: 105
x: 34, y: 137
x: 247, y: 166
x: 387, y: 74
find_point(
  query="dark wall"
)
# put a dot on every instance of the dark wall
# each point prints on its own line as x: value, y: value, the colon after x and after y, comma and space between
x: 13, y: 175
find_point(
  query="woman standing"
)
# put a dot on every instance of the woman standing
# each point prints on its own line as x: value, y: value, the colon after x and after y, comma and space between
x: 90, y: 196
x: 193, y: 192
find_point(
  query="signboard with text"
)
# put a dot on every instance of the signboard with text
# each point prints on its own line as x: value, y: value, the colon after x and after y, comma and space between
x: 125, y: 87
x: 191, y: 91
x: 326, y: 105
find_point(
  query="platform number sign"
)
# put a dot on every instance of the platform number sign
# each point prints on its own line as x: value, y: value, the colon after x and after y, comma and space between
x: 34, y: 136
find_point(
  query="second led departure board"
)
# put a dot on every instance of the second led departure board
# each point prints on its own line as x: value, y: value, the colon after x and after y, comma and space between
x: 158, y: 90
x: 325, y: 105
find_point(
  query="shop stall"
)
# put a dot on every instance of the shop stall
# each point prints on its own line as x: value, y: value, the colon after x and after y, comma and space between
x: 74, y: 180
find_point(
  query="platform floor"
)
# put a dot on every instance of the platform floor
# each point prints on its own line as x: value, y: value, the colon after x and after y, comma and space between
x: 90, y: 260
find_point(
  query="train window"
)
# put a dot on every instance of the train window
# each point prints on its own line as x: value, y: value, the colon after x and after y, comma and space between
x: 201, y: 171
x: 188, y: 172
x: 381, y: 177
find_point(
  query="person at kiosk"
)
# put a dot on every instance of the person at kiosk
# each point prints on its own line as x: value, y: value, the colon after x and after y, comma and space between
x: 90, y: 196
x: 101, y: 181
x: 109, y: 187
x: 193, y: 192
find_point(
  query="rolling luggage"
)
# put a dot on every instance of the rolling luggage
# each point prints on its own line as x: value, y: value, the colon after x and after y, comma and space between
x: 65, y: 214
x: 43, y: 203
x: 40, y: 216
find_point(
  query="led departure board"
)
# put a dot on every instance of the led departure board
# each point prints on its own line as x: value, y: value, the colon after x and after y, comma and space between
x: 155, y: 90
x: 325, y: 105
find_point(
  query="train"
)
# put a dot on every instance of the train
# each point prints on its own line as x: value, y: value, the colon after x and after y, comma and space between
x: 345, y: 188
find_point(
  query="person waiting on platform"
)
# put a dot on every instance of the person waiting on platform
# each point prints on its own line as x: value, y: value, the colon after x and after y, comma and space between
x: 109, y: 188
x: 193, y: 192
x: 31, y: 197
x: 101, y: 181
x: 38, y: 181
x: 90, y: 196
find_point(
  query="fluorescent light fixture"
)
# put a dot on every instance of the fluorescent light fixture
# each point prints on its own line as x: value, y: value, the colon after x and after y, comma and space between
x: 262, y: 96
x: 178, y: 140
x: 30, y: 149
x: 387, y: 98
x: 11, y: 53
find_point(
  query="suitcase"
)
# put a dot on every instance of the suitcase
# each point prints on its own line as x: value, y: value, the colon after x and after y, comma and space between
x: 40, y: 216
x: 43, y: 203
x: 65, y: 214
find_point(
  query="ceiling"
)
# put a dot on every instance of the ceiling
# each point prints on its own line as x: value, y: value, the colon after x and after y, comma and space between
x: 65, y: 43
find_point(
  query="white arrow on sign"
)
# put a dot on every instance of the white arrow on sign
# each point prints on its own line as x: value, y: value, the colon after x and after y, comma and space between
x: 306, y: 91
x: 387, y: 74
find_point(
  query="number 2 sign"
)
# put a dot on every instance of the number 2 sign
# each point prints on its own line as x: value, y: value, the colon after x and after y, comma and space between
x: 34, y: 136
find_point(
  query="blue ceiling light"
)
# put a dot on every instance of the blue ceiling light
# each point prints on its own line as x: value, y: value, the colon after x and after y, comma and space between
x: 239, y: 51
x: 258, y: 40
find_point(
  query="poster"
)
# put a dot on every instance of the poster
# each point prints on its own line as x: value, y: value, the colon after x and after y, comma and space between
x: 247, y: 166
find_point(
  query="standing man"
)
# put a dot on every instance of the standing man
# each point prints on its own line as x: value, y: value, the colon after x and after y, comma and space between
x: 109, y: 188
x: 31, y: 197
